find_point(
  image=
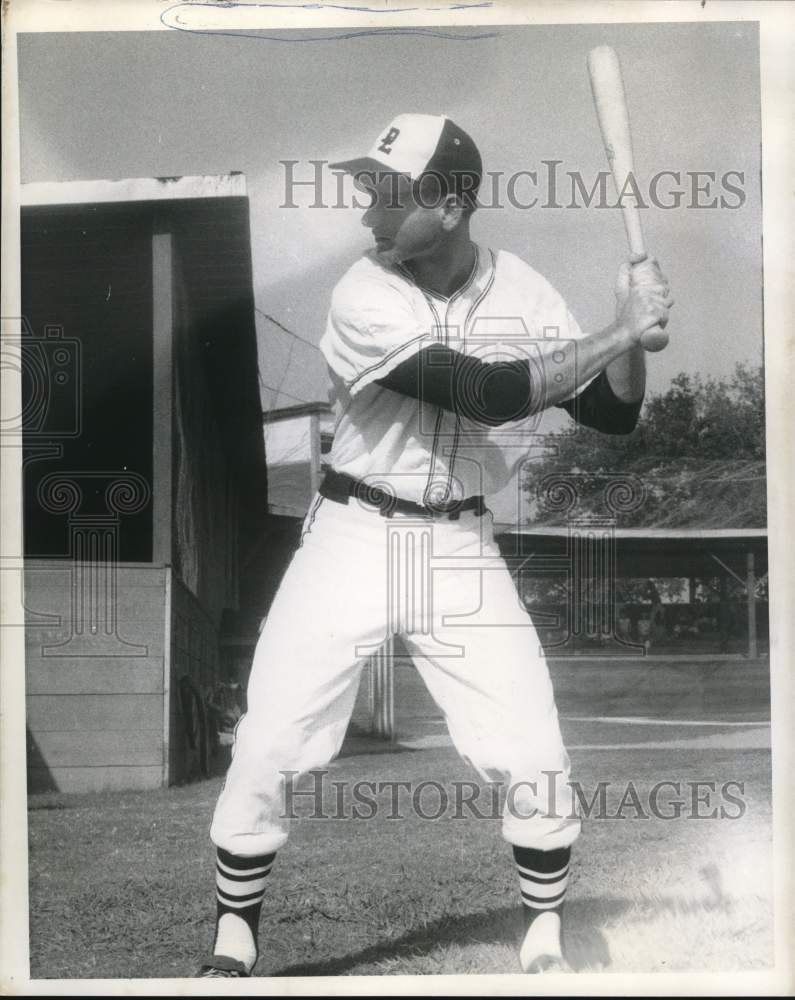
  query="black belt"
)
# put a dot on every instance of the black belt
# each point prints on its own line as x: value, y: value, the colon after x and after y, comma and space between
x: 340, y: 488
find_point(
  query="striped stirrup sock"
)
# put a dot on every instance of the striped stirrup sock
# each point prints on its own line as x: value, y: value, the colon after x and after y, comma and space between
x: 543, y: 877
x: 240, y: 890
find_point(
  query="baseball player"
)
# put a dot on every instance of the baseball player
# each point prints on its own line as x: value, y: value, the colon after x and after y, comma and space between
x: 440, y: 351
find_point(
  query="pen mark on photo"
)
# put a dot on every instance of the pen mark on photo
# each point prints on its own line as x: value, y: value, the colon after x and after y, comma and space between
x: 174, y: 17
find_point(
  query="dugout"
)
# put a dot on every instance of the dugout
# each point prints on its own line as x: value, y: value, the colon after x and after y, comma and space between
x: 736, y: 623
x: 586, y: 623
x: 144, y: 473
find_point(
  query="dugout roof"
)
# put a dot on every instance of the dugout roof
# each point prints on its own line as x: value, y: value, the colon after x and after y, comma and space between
x: 648, y: 552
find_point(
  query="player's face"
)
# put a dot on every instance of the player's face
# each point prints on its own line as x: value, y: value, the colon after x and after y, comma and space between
x: 402, y: 227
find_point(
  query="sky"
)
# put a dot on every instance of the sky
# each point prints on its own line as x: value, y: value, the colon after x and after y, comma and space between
x: 141, y: 104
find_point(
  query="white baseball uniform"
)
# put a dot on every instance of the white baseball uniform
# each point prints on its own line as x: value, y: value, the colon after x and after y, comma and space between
x: 441, y: 583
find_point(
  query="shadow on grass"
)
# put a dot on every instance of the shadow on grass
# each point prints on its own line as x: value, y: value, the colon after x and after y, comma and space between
x: 488, y: 927
x: 586, y: 947
x: 585, y: 944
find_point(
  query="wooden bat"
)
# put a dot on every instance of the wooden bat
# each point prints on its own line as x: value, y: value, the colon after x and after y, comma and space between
x: 607, y: 85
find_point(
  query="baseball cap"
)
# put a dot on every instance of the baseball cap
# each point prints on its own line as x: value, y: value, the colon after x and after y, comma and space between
x: 418, y: 146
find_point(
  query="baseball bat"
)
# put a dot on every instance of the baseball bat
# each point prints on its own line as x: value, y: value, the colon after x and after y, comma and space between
x: 607, y: 85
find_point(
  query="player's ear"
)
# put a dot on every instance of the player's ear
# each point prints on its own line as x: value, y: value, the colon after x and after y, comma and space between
x: 452, y: 212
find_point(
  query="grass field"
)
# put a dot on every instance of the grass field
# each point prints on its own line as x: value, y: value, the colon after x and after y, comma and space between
x: 121, y: 883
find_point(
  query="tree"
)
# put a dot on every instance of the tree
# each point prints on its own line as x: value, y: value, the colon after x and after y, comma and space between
x: 697, y: 456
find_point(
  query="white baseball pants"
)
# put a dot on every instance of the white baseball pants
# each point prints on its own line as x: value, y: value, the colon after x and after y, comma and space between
x: 443, y: 585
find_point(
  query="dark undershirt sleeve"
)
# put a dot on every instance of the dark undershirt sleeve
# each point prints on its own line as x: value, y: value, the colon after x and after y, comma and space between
x: 597, y: 406
x: 489, y: 393
x: 498, y: 392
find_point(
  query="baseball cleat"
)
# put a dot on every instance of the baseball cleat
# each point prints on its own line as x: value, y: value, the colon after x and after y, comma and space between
x: 542, y: 949
x: 547, y: 963
x: 221, y: 967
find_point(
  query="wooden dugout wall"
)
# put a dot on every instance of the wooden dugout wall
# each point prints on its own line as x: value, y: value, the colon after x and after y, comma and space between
x: 144, y: 476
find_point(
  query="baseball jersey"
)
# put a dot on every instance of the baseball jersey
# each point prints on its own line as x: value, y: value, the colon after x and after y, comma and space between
x: 379, y: 317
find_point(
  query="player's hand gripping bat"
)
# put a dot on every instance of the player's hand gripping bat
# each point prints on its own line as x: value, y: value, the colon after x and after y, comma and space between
x: 611, y: 109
